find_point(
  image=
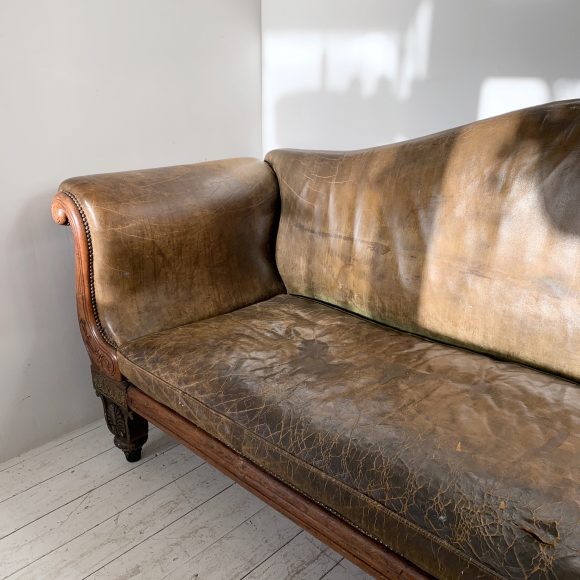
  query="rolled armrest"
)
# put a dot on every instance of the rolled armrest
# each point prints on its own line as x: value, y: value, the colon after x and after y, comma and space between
x: 163, y: 247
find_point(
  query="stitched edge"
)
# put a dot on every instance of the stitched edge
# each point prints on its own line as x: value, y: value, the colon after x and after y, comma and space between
x: 405, y: 522
x: 85, y: 221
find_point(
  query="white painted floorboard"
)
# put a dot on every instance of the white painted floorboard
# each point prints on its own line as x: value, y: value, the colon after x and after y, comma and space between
x: 75, y: 509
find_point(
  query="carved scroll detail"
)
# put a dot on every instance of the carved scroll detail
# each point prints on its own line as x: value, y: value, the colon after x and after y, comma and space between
x: 67, y: 210
x: 129, y: 429
x: 116, y: 391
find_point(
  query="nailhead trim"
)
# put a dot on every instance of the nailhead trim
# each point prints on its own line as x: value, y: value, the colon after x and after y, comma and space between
x: 100, y: 328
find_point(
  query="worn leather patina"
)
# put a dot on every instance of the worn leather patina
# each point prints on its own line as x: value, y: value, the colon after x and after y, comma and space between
x: 382, y: 373
x: 471, y: 236
x: 179, y: 244
x: 456, y: 460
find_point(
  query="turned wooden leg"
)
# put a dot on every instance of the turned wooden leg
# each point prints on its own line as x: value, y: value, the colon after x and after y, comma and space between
x: 129, y: 428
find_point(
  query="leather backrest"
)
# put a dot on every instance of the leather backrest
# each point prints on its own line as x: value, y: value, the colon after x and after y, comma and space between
x: 471, y: 236
x: 178, y: 244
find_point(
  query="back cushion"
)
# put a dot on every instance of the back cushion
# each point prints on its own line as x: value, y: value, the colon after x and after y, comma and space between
x: 471, y: 236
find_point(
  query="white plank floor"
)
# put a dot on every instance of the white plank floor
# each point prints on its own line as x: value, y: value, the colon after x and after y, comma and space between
x: 75, y: 509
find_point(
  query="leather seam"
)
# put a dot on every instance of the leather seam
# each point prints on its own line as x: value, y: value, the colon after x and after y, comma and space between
x: 442, y: 341
x: 464, y: 557
x: 92, y: 293
x: 201, y: 320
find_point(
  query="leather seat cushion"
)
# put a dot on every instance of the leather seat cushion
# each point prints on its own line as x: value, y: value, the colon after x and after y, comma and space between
x: 459, y: 462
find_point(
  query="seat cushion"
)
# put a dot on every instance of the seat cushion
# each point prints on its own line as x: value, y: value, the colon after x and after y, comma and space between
x: 461, y: 463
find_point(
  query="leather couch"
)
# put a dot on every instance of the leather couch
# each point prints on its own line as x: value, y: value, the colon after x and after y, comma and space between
x: 384, y: 344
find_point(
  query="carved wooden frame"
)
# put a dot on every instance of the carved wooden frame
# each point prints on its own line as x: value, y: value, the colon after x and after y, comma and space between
x: 66, y: 210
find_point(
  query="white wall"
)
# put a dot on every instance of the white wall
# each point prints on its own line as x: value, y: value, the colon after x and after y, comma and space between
x: 86, y: 87
x: 346, y: 74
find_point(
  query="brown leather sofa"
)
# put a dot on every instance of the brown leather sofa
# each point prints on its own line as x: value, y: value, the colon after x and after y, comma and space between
x: 383, y: 344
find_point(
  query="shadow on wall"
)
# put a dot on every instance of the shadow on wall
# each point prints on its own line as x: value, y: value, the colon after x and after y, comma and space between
x: 339, y: 79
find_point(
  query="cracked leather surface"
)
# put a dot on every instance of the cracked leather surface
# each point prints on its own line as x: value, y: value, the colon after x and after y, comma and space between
x: 192, y: 240
x: 466, y: 465
x: 470, y: 236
